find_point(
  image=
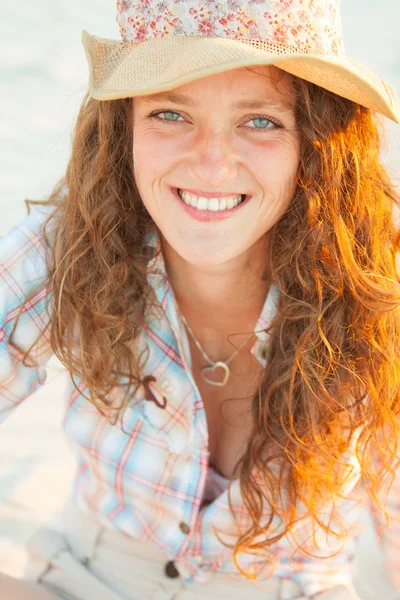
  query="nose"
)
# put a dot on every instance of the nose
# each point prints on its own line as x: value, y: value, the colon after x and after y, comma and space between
x: 212, y: 159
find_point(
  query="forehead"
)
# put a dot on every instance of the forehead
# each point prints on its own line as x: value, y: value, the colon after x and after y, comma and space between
x: 254, y: 87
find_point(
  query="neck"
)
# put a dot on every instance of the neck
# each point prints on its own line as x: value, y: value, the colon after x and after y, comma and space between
x: 220, y: 299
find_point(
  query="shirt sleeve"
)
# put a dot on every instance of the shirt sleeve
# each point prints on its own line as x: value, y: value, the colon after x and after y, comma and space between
x: 328, y: 579
x: 389, y: 540
x: 23, y: 287
x: 389, y: 534
x: 332, y: 579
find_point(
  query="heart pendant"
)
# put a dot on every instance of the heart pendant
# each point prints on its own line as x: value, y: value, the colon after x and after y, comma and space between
x: 211, y: 369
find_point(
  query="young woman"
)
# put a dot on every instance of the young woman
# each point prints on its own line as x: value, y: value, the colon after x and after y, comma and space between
x: 217, y: 271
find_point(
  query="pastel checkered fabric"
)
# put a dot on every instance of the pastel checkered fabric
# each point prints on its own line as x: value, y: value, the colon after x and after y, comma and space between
x: 146, y: 477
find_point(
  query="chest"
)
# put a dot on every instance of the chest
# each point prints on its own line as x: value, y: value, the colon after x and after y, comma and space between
x: 228, y: 408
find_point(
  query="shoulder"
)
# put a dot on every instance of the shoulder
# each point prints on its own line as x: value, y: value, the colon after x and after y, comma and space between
x: 25, y: 252
x: 23, y: 248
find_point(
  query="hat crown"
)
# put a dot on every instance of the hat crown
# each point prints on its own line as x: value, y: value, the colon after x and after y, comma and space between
x: 311, y: 26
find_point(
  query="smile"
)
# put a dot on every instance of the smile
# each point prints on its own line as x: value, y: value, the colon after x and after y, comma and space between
x: 215, y: 204
x: 210, y: 209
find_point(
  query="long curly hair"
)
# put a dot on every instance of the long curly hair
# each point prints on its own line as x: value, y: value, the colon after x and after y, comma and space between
x: 333, y: 366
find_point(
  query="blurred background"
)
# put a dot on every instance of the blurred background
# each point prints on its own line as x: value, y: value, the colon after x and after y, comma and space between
x: 43, y: 77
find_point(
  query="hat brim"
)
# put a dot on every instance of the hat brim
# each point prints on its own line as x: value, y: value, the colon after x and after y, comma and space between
x: 121, y: 70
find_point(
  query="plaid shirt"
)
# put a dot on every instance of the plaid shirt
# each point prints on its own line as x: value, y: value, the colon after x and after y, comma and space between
x: 146, y: 476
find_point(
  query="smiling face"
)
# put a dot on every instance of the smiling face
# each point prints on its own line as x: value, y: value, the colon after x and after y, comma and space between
x: 207, y: 142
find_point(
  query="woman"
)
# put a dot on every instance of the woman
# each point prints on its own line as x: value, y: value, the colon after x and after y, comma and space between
x: 217, y: 272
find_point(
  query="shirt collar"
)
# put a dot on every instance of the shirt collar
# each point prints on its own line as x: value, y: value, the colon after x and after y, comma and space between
x: 158, y: 279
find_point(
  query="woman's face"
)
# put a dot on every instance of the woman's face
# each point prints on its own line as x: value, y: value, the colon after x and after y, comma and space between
x: 207, y: 143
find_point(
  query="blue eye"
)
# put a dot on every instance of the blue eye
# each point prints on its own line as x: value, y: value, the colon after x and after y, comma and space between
x: 164, y: 112
x: 266, y: 120
x: 263, y: 119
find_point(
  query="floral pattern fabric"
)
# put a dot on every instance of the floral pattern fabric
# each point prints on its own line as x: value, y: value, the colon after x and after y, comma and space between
x: 306, y: 25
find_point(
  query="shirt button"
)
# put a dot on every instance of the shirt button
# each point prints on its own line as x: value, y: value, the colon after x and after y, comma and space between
x: 184, y: 528
x: 171, y: 570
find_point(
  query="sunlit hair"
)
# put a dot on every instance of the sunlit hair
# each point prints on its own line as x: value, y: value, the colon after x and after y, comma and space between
x: 333, y: 366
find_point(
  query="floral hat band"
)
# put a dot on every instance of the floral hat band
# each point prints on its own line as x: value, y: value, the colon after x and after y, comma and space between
x: 168, y: 43
x: 309, y: 26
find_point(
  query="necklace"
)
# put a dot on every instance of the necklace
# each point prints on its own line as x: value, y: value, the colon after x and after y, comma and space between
x: 214, y: 365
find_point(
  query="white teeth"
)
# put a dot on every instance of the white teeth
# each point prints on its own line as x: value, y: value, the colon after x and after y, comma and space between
x: 222, y: 203
x: 202, y: 203
x: 214, y: 204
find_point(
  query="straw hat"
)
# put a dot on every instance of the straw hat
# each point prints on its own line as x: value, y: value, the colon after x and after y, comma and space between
x: 167, y: 43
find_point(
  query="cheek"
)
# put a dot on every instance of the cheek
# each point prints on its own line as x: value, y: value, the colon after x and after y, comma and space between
x: 153, y: 155
x: 276, y: 167
x: 147, y: 160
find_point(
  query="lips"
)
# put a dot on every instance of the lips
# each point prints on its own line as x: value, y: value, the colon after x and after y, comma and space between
x: 208, y: 215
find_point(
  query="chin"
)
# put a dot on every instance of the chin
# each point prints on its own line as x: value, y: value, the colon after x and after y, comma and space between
x: 205, y: 258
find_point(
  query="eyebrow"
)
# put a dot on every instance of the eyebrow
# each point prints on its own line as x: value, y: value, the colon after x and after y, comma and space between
x: 179, y: 98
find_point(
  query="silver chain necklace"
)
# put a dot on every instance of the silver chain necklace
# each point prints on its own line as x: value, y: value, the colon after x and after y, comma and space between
x: 214, y: 365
